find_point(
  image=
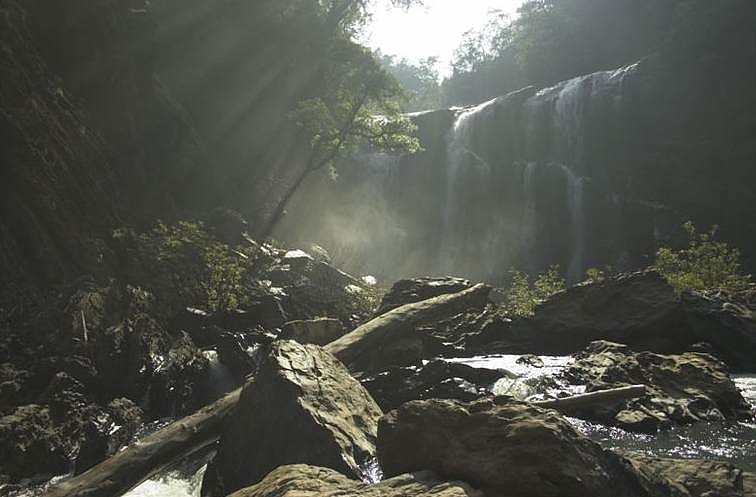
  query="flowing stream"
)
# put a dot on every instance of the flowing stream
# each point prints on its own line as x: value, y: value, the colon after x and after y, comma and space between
x: 732, y: 442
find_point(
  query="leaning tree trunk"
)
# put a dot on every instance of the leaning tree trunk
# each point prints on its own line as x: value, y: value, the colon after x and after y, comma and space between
x: 128, y: 468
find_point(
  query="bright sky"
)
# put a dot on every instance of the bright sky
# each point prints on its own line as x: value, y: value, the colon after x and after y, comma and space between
x: 434, y: 29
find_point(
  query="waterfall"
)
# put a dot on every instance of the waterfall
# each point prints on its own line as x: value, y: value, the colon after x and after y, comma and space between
x: 463, y: 164
x: 576, y: 205
x: 526, y: 180
x: 220, y: 380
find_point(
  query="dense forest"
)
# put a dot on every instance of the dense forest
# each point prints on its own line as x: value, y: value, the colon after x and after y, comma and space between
x: 245, y: 254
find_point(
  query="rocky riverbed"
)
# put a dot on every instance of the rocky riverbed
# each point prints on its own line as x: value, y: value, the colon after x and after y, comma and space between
x: 406, y: 391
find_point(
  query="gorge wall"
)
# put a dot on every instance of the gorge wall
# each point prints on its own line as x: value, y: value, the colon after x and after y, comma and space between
x: 598, y: 170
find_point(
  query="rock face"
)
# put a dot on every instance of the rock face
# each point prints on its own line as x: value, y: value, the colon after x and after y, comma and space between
x: 301, y: 480
x: 509, y: 449
x: 415, y: 290
x: 319, y: 331
x: 683, y: 389
x: 301, y: 408
x: 638, y: 309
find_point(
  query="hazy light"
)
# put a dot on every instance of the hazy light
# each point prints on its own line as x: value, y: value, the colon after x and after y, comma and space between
x: 435, y: 29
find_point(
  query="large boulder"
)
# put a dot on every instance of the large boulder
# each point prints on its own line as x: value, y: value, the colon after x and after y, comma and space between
x: 639, y: 309
x: 512, y: 449
x: 301, y: 480
x: 303, y: 407
x: 414, y: 290
x: 683, y: 389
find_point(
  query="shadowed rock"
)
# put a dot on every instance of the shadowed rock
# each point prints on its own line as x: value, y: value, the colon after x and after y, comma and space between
x: 511, y: 449
x: 683, y: 389
x: 302, y: 408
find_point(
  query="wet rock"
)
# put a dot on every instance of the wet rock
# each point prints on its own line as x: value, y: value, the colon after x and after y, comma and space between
x: 176, y: 379
x: 301, y: 408
x: 531, y: 360
x: 683, y: 389
x: 31, y: 445
x: 696, y: 477
x: 414, y: 290
x: 314, y: 288
x: 12, y: 386
x: 638, y: 309
x: 437, y: 379
x: 315, y: 331
x: 264, y: 311
x: 76, y: 366
x: 300, y: 480
x: 103, y: 435
x: 233, y: 352
x: 509, y: 449
x: 195, y: 322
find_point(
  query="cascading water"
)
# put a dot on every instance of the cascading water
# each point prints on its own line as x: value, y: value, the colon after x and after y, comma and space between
x: 461, y: 159
x: 526, y: 180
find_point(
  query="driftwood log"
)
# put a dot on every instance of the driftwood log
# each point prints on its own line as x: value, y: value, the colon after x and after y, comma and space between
x: 139, y: 461
x: 369, y: 343
x: 611, y: 395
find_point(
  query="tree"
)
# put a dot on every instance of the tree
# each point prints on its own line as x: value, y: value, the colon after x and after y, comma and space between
x: 358, y: 104
x: 419, y: 81
x: 524, y: 296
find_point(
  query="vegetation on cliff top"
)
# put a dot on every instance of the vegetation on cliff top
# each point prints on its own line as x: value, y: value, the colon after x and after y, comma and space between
x: 704, y: 264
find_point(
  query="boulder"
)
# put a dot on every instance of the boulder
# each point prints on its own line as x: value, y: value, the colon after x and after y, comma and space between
x: 437, y: 379
x: 506, y: 449
x: 417, y: 289
x: 320, y: 331
x: 638, y: 309
x: 31, y: 445
x: 696, y: 477
x: 303, y: 407
x: 301, y: 480
x: 263, y: 311
x: 683, y: 389
x: 233, y: 353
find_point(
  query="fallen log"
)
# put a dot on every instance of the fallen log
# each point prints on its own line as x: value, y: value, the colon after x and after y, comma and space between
x: 611, y: 395
x: 370, y: 344
x: 146, y: 457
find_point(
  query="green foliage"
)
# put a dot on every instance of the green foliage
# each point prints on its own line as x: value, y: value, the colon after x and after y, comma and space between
x: 360, y: 105
x: 364, y: 301
x: 419, y: 81
x: 185, y: 266
x: 524, y: 296
x: 594, y: 275
x: 705, y: 264
x: 553, y: 40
